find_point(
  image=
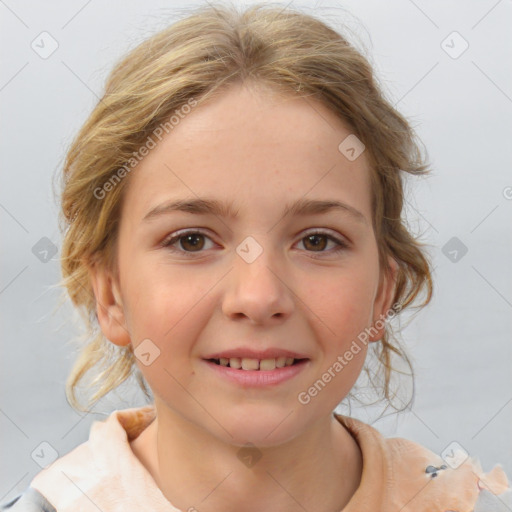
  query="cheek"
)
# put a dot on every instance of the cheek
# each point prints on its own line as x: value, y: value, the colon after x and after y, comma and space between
x: 171, y: 313
x: 342, y: 303
x: 166, y: 307
x: 344, y: 312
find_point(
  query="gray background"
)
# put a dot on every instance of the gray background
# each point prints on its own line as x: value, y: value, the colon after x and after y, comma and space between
x: 462, y: 110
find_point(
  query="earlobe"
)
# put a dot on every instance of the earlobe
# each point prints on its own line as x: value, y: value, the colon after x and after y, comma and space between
x: 109, y: 306
x: 384, y: 301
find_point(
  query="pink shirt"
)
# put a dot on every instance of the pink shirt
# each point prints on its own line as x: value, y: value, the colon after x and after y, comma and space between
x: 104, y: 474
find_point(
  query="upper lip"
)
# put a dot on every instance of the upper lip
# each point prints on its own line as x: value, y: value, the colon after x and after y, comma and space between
x: 250, y: 353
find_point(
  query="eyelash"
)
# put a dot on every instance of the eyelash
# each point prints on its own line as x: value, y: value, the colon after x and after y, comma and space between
x: 170, y: 240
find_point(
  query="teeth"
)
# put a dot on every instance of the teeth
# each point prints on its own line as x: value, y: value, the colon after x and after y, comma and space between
x: 250, y: 364
x: 247, y: 363
x: 235, y: 362
x: 267, y: 364
x: 280, y: 362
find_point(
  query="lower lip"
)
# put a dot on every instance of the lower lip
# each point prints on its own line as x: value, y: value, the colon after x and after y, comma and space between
x: 258, y: 378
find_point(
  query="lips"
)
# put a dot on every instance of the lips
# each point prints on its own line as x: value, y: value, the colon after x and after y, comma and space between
x: 246, y: 363
x: 256, y: 360
x: 250, y: 353
x: 256, y: 374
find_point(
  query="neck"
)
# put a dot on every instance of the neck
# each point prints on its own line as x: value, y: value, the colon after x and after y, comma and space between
x: 319, y: 470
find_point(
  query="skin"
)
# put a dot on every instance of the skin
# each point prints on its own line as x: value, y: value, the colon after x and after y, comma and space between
x: 260, y: 150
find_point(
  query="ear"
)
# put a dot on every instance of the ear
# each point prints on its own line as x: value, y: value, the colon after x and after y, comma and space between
x: 383, y: 300
x: 109, y: 305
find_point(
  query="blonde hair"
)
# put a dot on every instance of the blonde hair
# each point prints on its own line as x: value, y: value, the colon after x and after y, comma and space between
x: 194, y: 59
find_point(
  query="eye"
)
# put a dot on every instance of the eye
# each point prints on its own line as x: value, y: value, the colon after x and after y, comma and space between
x: 193, y: 240
x: 314, y: 239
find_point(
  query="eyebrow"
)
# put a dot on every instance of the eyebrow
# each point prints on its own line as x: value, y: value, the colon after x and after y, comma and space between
x: 206, y: 206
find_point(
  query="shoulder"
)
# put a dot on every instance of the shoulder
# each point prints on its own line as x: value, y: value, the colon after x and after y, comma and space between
x: 420, y: 479
x: 52, y: 484
x: 31, y: 500
x: 404, y: 475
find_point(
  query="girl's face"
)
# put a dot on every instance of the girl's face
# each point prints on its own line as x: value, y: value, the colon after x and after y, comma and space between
x: 194, y: 284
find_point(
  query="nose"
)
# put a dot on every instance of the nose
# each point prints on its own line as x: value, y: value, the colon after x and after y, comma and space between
x: 258, y: 289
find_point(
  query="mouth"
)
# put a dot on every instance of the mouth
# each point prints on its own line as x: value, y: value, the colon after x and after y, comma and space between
x: 246, y: 363
x: 249, y: 372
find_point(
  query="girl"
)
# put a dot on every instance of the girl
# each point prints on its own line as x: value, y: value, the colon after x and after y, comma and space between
x: 232, y: 216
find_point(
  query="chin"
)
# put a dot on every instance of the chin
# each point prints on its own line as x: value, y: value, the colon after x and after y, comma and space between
x: 260, y: 428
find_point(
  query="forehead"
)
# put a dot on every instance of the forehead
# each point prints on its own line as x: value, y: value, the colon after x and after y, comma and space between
x: 254, y: 146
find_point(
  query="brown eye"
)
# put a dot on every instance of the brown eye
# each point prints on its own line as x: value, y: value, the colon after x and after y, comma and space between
x: 186, y: 242
x: 316, y: 242
x: 189, y: 242
x: 194, y: 241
